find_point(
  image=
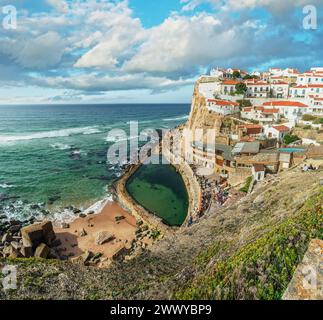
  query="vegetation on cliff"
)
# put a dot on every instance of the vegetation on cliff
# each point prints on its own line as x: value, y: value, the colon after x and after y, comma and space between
x: 248, y: 250
x: 262, y: 269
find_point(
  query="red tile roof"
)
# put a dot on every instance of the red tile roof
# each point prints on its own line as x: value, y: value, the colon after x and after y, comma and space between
x: 230, y: 82
x: 281, y: 128
x: 223, y: 102
x: 270, y: 111
x: 285, y: 104
x: 280, y: 82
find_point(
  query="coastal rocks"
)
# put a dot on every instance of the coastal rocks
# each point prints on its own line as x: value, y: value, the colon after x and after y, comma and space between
x: 83, y: 233
x: 53, y: 199
x: 42, y: 251
x: 65, y: 225
x: 26, y: 252
x: 119, y: 218
x: 38, y: 233
x: 103, y: 237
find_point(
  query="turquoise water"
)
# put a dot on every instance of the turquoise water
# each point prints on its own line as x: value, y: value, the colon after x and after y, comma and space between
x: 60, y: 151
x: 161, y: 190
x: 290, y: 150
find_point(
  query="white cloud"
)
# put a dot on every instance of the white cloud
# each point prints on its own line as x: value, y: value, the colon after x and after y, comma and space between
x: 92, y: 82
x: 42, y: 52
x: 59, y: 5
x: 275, y: 6
x: 184, y: 44
x: 121, y: 33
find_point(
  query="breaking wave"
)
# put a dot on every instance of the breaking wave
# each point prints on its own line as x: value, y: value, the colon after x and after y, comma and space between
x: 184, y: 117
x: 49, y: 134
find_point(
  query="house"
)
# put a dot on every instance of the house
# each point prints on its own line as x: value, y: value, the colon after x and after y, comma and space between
x: 246, y: 148
x: 229, y: 86
x: 285, y: 160
x: 249, y: 129
x: 291, y: 110
x: 258, y: 172
x: 221, y: 74
x: 313, y: 76
x: 222, y: 107
x: 261, y: 114
x: 257, y: 88
x: 305, y: 91
x: 277, y: 132
x: 316, y: 105
x: 209, y: 86
x: 279, y: 89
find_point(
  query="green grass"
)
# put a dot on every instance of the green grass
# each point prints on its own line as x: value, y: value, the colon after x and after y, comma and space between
x: 245, y: 188
x: 262, y: 269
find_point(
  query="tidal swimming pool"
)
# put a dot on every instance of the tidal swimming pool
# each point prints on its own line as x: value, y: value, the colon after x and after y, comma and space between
x: 160, y: 189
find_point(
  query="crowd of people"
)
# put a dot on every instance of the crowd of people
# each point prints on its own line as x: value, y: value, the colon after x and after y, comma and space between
x: 211, y: 191
x: 308, y: 168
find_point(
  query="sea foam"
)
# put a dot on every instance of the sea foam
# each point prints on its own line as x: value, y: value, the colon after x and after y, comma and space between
x: 4, y: 139
x: 184, y: 117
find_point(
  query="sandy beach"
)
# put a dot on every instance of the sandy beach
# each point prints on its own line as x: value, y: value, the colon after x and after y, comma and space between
x: 82, y: 233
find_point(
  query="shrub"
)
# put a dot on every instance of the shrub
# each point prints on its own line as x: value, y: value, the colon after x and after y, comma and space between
x: 308, y: 117
x: 245, y: 188
x: 288, y: 139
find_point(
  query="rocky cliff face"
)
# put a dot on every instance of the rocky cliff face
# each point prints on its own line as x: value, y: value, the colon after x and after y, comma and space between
x: 200, y: 117
x: 248, y: 250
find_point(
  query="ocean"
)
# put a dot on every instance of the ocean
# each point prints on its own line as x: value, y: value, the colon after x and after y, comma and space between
x: 55, y: 156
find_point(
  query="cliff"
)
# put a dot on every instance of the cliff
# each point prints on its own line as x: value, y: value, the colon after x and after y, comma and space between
x: 248, y: 250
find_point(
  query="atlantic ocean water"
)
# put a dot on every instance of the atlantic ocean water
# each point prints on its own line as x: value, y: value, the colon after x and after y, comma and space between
x: 55, y: 156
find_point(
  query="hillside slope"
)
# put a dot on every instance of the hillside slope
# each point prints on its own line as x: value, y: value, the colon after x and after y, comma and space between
x: 248, y: 250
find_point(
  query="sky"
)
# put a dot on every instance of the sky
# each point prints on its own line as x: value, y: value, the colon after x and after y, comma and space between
x: 145, y: 51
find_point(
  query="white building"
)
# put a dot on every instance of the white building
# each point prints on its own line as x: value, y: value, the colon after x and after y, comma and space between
x: 261, y: 114
x: 277, y: 132
x: 220, y: 74
x: 279, y: 89
x: 316, y: 105
x: 228, y: 86
x: 258, y: 172
x: 305, y: 91
x: 291, y: 110
x: 313, y: 76
x: 222, y: 107
x: 257, y: 89
x: 209, y: 87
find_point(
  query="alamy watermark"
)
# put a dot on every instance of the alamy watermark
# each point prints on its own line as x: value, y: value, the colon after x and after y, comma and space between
x: 310, y: 17
x: 9, y: 277
x: 9, y: 17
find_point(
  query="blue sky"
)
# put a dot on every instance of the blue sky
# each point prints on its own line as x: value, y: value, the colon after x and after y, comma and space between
x: 106, y: 51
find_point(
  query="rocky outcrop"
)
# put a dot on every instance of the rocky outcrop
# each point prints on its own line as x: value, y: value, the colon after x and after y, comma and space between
x: 307, y: 282
x: 33, y: 240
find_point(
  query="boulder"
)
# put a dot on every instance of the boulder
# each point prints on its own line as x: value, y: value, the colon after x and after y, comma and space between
x: 103, y: 237
x: 120, y: 253
x: 86, y: 256
x: 38, y: 233
x: 83, y: 233
x: 15, y: 253
x: 42, y: 251
x: 6, y: 238
x: 14, y: 228
x: 16, y: 245
x: 119, y: 218
x: 65, y: 225
x: 26, y: 252
x: 56, y: 243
